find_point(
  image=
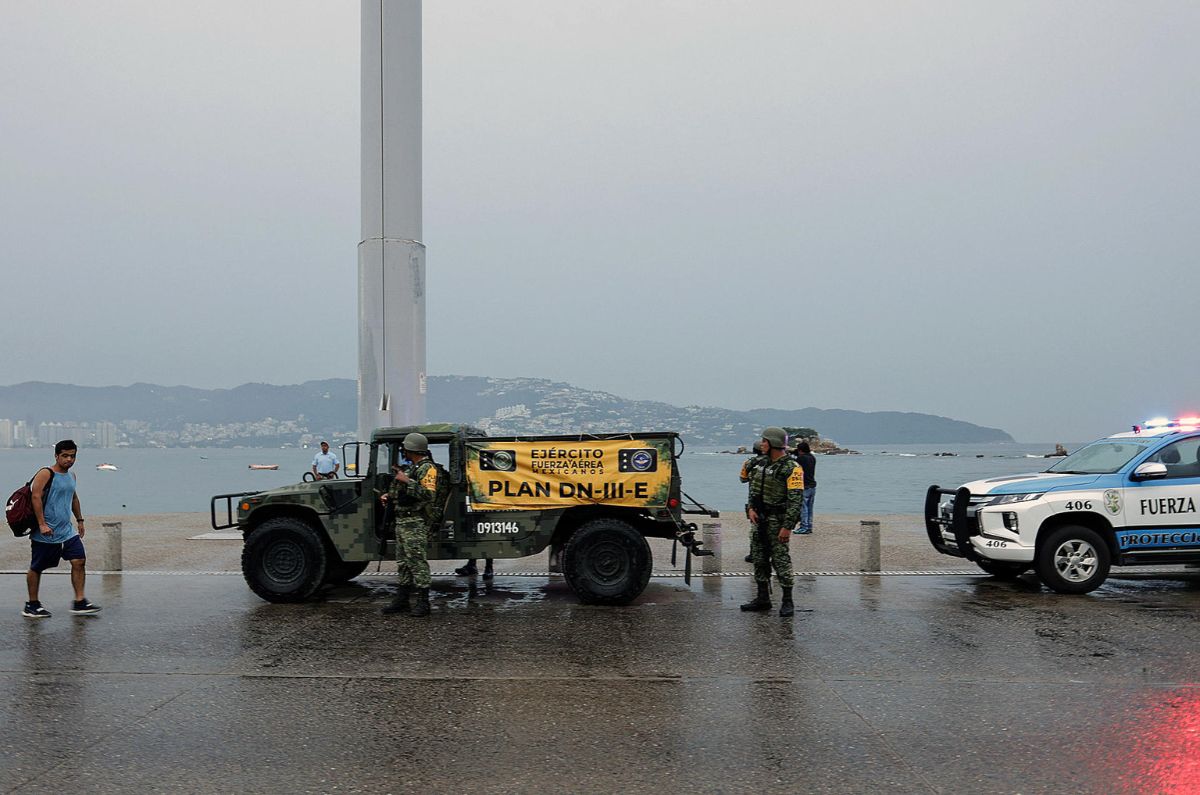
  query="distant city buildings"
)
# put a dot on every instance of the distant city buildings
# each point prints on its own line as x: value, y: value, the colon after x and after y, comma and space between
x: 85, y: 434
x: 15, y: 433
x: 267, y: 432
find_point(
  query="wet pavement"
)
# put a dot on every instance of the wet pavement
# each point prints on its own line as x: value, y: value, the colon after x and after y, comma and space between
x: 954, y: 684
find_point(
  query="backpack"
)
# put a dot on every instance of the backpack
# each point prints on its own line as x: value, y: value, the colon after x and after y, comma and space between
x: 18, y: 512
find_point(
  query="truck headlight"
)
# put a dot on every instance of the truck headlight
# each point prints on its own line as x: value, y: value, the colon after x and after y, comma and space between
x: 1007, y: 499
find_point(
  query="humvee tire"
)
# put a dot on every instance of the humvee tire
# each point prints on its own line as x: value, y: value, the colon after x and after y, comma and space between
x: 339, y: 572
x: 283, y: 560
x: 1003, y: 570
x: 607, y: 562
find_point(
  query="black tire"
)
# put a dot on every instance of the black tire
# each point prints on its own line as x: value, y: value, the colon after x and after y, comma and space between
x: 338, y: 572
x: 1073, y: 559
x: 607, y: 562
x: 284, y: 560
x: 1003, y: 570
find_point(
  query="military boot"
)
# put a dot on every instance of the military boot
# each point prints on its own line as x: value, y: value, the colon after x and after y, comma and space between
x: 487, y: 570
x: 786, y: 608
x: 760, y: 602
x: 421, y: 603
x: 399, y: 602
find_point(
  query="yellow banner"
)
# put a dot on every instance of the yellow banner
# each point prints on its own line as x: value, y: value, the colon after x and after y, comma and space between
x: 539, y: 475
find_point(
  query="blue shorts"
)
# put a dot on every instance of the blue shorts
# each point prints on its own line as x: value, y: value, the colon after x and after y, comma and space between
x: 47, y: 556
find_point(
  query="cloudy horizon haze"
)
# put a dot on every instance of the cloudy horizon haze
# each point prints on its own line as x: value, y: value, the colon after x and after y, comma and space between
x: 982, y: 211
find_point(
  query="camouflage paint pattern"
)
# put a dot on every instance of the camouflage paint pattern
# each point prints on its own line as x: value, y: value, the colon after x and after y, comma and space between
x: 780, y: 487
x: 412, y: 540
x: 351, y: 516
x: 777, y: 492
x: 416, y: 510
x: 417, y: 497
x: 778, y: 557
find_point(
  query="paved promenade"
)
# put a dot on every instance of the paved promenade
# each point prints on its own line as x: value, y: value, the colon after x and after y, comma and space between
x: 950, y: 683
x: 164, y: 542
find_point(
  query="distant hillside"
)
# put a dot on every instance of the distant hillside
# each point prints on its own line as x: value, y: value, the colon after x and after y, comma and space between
x: 331, y: 402
x: 499, y: 405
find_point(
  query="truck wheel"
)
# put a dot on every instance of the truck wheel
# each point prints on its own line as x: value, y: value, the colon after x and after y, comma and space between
x: 338, y: 572
x: 283, y: 560
x: 1073, y: 559
x: 1003, y: 570
x: 607, y: 562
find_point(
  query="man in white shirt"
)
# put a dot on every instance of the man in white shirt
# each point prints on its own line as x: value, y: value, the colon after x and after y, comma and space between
x: 325, y: 464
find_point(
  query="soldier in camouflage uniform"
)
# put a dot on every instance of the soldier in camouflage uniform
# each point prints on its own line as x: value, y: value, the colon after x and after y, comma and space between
x: 414, y: 496
x: 748, y: 468
x: 776, y: 493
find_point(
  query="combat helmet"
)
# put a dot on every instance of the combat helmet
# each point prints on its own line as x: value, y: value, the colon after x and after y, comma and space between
x: 776, y: 437
x: 415, y: 443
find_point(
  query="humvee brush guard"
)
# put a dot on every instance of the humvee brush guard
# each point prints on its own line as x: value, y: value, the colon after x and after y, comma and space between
x: 592, y: 499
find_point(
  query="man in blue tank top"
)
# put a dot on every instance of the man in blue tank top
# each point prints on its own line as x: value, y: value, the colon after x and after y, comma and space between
x: 55, y: 539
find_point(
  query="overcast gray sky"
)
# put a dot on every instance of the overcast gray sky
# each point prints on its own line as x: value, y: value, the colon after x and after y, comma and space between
x: 984, y: 210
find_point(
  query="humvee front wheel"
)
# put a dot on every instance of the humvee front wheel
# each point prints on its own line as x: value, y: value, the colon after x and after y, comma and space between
x: 1073, y: 559
x: 283, y: 560
x: 607, y: 562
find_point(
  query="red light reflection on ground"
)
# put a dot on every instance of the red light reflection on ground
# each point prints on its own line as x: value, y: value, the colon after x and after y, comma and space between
x: 1158, y: 749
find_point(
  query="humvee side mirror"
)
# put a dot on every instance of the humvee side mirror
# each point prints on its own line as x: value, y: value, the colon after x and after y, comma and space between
x: 352, y: 465
x: 1150, y: 470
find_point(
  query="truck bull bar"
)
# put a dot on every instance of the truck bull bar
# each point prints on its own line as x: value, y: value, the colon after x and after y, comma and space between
x: 229, y: 501
x: 958, y: 522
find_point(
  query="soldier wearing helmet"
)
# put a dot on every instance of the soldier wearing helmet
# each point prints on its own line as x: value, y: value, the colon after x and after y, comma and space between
x: 776, y: 493
x: 414, y: 496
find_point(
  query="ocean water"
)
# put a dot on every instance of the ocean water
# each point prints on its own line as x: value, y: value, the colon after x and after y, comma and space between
x: 884, y: 479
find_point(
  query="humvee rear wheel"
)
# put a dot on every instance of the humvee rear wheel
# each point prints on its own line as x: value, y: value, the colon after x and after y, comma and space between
x: 283, y: 560
x: 607, y: 562
x: 1073, y: 559
x: 339, y: 571
x: 1003, y: 570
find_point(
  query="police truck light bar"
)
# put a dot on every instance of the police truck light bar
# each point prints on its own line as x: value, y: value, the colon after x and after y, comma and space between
x: 1158, y: 423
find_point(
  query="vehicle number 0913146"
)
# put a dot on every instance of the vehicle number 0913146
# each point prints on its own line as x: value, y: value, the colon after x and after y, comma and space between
x: 1079, y: 505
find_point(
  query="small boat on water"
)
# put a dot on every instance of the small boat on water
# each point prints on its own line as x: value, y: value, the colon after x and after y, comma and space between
x: 264, y: 466
x: 107, y: 467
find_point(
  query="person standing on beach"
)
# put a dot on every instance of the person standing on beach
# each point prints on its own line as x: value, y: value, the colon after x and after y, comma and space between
x: 418, y: 497
x: 776, y: 491
x: 808, y: 462
x: 56, y: 538
x: 748, y: 467
x: 325, y: 464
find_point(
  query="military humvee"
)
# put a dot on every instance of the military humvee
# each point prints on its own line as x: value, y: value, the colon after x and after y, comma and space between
x: 592, y: 499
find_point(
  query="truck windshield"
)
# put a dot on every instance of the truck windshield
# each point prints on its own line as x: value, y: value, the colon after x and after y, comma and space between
x: 1099, y: 458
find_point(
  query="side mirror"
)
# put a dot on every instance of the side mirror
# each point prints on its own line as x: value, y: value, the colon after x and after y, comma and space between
x: 352, y: 465
x: 1151, y: 470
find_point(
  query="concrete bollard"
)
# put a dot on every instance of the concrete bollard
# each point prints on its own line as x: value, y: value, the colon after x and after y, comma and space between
x: 710, y: 534
x: 868, y: 546
x: 104, y: 551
